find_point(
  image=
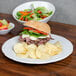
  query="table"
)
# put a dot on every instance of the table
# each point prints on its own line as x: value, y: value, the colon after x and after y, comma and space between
x: 66, y: 67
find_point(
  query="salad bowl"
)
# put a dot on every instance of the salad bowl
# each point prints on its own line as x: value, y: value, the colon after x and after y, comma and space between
x: 5, y: 26
x: 36, y: 4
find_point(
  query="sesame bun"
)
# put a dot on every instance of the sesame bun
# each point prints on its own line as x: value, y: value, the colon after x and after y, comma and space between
x: 39, y: 26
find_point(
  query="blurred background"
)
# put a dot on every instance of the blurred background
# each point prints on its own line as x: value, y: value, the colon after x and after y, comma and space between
x: 65, y: 9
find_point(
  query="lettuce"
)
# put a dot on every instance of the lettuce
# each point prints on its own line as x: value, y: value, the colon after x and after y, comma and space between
x: 18, y: 14
x: 31, y: 33
x: 50, y: 12
x: 39, y: 18
x: 4, y: 22
x: 42, y: 9
x: 34, y: 17
x: 27, y: 10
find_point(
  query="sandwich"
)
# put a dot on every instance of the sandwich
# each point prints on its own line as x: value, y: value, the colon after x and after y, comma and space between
x: 35, y: 32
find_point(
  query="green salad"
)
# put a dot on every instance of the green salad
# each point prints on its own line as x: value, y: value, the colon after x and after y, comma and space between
x: 38, y: 13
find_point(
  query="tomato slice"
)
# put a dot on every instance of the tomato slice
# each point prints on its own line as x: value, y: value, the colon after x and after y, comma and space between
x: 28, y: 28
x: 43, y: 17
x: 36, y: 31
x: 42, y: 32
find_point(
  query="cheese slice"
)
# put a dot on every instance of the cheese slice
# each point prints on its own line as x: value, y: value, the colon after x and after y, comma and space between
x: 33, y: 38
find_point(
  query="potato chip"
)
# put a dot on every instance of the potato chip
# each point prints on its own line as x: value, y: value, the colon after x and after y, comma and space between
x: 58, y: 44
x: 32, y: 50
x: 23, y: 50
x: 40, y: 51
x: 52, y: 49
x: 45, y: 56
x: 18, y: 48
x: 22, y: 55
x: 25, y: 45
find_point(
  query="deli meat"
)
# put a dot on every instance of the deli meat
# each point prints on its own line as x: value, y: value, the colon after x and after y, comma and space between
x: 37, y: 42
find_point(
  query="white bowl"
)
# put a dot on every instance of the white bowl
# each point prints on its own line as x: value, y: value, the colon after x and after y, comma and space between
x: 26, y: 5
x: 3, y: 32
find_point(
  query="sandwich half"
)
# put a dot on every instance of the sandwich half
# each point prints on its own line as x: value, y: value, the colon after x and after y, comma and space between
x: 35, y: 32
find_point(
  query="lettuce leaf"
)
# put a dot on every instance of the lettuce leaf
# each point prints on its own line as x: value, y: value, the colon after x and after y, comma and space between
x: 50, y: 12
x: 31, y: 33
x: 18, y: 14
x: 27, y: 10
x: 4, y: 22
x: 42, y: 9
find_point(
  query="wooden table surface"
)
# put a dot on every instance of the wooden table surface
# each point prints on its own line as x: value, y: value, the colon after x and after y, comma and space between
x: 66, y: 67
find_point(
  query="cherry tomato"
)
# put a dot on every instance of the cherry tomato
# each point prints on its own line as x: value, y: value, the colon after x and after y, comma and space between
x: 1, y: 24
x: 39, y: 11
x: 29, y: 11
x: 5, y: 28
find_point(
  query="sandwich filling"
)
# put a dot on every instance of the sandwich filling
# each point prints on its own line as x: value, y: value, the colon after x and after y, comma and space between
x: 34, y: 36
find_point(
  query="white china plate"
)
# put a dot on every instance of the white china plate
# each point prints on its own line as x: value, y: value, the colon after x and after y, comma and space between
x: 8, y: 51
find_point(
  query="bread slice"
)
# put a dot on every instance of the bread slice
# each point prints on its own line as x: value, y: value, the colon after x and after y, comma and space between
x: 39, y: 26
